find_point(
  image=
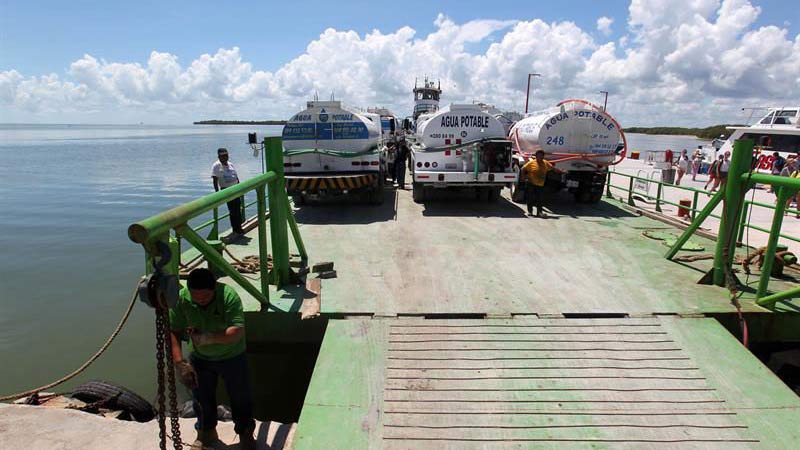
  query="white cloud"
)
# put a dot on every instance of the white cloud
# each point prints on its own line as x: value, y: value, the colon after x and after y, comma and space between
x: 604, y: 25
x: 676, y: 64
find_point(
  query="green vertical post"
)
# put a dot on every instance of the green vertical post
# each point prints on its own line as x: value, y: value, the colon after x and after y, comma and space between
x: 608, y: 184
x: 658, y: 196
x: 277, y: 212
x: 694, y: 205
x: 709, y: 208
x: 476, y: 158
x: 174, y: 266
x: 743, y: 221
x: 298, y: 239
x: 263, y: 254
x: 630, y: 192
x: 772, y: 243
x: 734, y: 190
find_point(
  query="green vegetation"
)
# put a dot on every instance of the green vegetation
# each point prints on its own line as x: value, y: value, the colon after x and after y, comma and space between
x: 240, y: 122
x: 703, y: 133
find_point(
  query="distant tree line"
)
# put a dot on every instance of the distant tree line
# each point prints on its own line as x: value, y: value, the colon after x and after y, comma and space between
x: 240, y: 122
x: 703, y: 133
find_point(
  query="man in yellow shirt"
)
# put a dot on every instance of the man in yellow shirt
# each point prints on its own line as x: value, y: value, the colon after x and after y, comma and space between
x: 536, y: 171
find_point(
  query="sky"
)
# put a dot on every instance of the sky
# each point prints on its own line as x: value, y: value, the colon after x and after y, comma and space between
x: 663, y: 62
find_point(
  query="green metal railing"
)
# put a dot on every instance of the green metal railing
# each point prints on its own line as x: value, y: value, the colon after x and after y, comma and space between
x: 741, y: 178
x: 661, y: 188
x: 159, y: 227
x: 744, y: 222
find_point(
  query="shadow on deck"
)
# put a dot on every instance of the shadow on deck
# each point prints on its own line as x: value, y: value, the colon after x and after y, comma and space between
x: 348, y: 211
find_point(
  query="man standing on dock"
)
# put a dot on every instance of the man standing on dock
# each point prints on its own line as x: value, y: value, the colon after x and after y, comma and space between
x: 536, y: 169
x: 211, y: 316
x: 224, y: 175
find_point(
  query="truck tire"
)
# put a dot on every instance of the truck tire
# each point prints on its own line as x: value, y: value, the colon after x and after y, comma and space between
x: 494, y: 194
x: 298, y: 199
x: 118, y: 397
x: 418, y: 192
x: 596, y: 197
x: 583, y: 195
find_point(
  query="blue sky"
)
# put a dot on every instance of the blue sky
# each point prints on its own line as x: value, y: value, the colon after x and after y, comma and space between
x: 48, y: 37
x: 56, y: 33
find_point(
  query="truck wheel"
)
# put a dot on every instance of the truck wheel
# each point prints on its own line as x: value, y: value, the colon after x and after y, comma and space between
x: 494, y: 194
x: 583, y: 196
x: 418, y: 192
x: 299, y: 199
x: 596, y: 197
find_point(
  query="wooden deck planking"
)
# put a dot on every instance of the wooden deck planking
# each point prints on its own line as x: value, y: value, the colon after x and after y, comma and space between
x: 709, y: 393
x: 458, y: 390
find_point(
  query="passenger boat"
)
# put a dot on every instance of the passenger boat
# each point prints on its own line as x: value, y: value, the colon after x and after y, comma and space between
x: 777, y: 131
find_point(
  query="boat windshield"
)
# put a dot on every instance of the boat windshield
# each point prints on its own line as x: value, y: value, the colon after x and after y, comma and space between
x: 777, y: 142
x: 782, y: 117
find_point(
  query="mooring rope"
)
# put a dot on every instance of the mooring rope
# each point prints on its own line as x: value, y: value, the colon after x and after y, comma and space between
x: 88, y: 362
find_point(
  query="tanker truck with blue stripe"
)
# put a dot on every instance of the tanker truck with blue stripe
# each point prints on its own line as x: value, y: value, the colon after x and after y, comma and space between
x: 332, y: 150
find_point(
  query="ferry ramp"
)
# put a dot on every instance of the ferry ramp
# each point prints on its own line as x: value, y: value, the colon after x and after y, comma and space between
x: 464, y: 324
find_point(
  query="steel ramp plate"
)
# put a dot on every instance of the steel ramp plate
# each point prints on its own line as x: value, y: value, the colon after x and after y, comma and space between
x: 546, y: 383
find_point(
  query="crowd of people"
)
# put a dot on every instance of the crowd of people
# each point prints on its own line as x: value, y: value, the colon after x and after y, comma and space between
x: 717, y: 170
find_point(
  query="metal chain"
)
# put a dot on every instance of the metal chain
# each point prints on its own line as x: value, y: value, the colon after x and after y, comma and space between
x: 161, y: 408
x: 165, y: 366
x: 173, y: 392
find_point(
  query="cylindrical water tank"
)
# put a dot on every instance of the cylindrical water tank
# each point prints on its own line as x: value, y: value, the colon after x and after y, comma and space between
x: 575, y: 127
x: 456, y: 125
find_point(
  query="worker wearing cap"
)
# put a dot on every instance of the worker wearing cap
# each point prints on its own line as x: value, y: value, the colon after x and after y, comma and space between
x: 224, y: 175
x: 536, y: 171
x: 210, y: 316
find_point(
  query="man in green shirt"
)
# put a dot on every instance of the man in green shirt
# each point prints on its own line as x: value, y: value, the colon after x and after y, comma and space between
x: 209, y: 314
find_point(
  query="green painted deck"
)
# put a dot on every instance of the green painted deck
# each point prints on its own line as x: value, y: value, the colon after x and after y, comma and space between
x: 466, y: 324
x: 461, y: 256
x: 664, y: 382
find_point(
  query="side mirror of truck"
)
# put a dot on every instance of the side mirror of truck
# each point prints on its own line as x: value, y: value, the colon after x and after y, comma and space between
x: 252, y: 139
x: 407, y: 124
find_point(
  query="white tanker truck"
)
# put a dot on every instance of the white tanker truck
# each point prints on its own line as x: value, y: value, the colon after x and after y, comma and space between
x: 332, y: 150
x: 579, y: 138
x: 460, y: 146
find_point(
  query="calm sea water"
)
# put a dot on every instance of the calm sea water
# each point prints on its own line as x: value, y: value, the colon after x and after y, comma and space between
x: 67, y: 196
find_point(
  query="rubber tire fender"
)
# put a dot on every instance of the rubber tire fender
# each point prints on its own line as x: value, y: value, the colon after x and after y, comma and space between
x: 418, y: 192
x: 140, y: 409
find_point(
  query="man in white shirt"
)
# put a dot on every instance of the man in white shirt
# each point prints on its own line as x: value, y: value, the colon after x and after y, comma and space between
x: 224, y: 175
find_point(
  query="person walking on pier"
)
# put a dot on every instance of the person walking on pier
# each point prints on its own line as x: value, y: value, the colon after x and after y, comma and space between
x: 210, y: 315
x: 536, y: 170
x: 224, y: 175
x: 683, y: 166
x: 713, y: 174
x: 697, y: 162
x: 401, y: 155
